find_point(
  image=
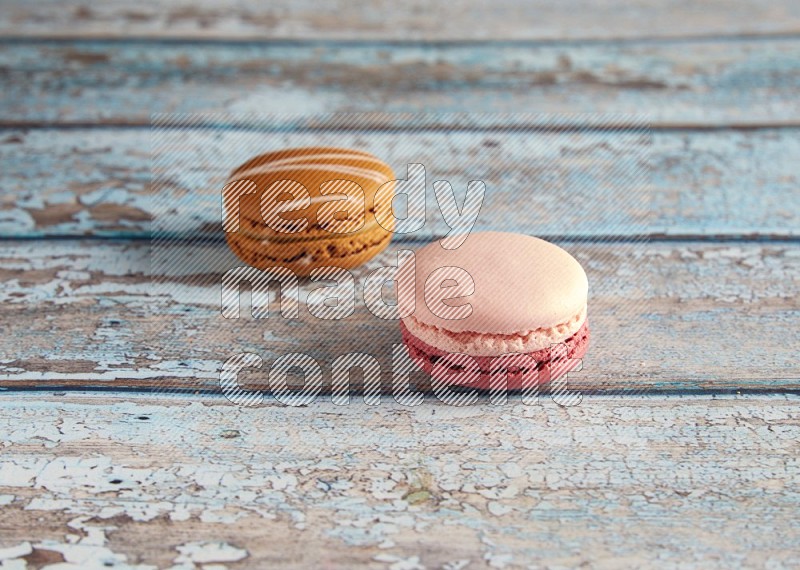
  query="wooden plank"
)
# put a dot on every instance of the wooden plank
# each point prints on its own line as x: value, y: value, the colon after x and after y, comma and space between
x: 671, y: 316
x: 467, y: 20
x: 59, y: 182
x: 615, y: 482
x: 677, y: 83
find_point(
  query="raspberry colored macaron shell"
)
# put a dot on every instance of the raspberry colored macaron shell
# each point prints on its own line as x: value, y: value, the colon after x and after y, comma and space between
x: 529, y: 296
x: 548, y: 364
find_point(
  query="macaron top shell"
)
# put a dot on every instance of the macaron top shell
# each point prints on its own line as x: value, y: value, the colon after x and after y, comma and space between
x: 522, y: 283
x: 310, y: 167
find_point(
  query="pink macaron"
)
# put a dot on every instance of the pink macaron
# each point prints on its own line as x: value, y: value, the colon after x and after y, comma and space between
x: 502, y: 309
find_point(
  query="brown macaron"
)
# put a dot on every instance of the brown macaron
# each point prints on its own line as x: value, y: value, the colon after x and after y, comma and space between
x: 305, y: 208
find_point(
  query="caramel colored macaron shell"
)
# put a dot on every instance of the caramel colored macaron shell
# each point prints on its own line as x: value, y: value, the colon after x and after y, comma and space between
x: 311, y: 167
x: 261, y: 246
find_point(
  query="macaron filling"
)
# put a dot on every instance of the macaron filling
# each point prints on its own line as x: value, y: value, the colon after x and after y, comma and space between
x: 494, y: 344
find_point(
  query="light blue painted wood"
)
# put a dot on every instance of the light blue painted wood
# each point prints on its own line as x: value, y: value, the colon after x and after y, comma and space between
x: 196, y: 478
x: 687, y: 316
x: 728, y: 183
x: 698, y: 82
x: 714, y: 317
x: 456, y: 20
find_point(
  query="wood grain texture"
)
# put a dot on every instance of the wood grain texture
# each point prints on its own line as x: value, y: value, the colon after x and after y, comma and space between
x: 664, y: 316
x: 61, y: 182
x: 133, y: 480
x: 467, y: 20
x: 677, y: 83
x: 143, y: 482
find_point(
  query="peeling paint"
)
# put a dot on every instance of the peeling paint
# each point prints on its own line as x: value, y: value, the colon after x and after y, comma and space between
x: 204, y: 552
x: 723, y: 463
x: 702, y: 183
x: 172, y: 336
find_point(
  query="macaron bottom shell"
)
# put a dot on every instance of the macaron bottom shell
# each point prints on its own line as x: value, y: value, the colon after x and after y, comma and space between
x: 550, y: 363
x: 304, y: 255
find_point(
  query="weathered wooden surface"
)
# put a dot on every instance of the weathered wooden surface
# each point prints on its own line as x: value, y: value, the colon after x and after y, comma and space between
x: 665, y: 316
x: 700, y: 82
x: 158, y: 480
x: 729, y: 183
x: 141, y: 482
x: 467, y: 20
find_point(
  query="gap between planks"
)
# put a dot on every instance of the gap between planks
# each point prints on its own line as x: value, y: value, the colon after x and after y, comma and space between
x: 458, y: 20
x: 170, y: 390
x: 666, y: 127
x: 651, y: 238
x: 177, y: 40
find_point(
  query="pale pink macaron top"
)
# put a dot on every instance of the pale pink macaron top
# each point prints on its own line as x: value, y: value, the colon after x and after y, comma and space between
x: 522, y: 284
